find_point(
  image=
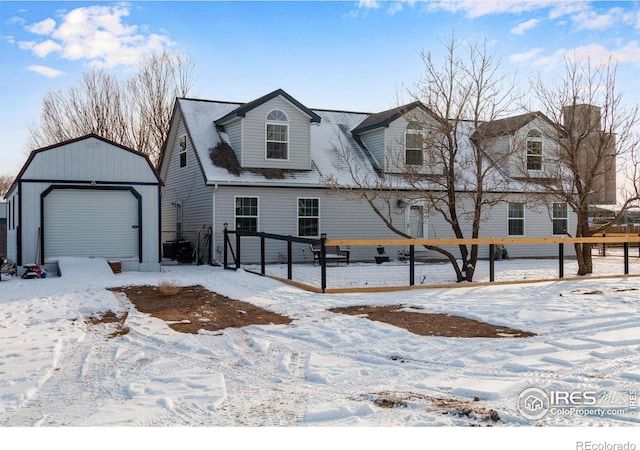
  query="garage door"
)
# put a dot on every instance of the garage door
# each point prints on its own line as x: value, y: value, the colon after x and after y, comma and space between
x: 87, y: 222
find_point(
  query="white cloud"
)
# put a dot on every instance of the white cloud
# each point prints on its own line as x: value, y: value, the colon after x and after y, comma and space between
x: 96, y: 34
x: 596, y: 53
x: 525, y: 56
x: 368, y: 4
x: 474, y: 9
x: 40, y: 49
x: 524, y: 26
x: 44, y: 27
x: 45, y: 71
x: 584, y: 17
x: 15, y: 20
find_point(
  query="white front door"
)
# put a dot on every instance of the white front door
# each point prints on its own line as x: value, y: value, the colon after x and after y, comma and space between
x: 416, y: 221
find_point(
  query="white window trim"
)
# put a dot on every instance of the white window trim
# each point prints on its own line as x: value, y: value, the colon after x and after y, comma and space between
x: 526, y: 150
x: 179, y: 219
x: 298, y: 216
x: 412, y: 131
x: 565, y: 218
x: 425, y: 217
x: 523, y: 218
x: 183, y: 151
x: 273, y: 122
x: 235, y: 216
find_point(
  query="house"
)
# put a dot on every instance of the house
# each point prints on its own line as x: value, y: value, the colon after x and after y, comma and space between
x: 86, y: 197
x: 264, y: 166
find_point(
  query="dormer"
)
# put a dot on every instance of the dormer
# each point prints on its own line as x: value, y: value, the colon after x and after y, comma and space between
x: 402, y: 139
x: 271, y: 132
x: 524, y: 146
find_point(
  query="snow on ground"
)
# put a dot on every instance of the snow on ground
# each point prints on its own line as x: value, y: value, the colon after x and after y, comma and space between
x: 323, y: 369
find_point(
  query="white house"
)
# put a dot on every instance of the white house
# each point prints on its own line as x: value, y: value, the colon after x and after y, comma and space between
x: 263, y: 166
x: 85, y: 197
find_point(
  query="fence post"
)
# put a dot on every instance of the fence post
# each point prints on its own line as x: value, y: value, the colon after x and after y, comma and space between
x: 561, y: 259
x: 289, y: 260
x: 323, y: 262
x: 626, y: 258
x: 238, y: 249
x: 262, y: 254
x: 492, y: 263
x: 226, y: 240
x: 412, y: 265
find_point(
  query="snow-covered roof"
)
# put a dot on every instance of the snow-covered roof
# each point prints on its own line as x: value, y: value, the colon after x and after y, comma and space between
x: 331, y: 135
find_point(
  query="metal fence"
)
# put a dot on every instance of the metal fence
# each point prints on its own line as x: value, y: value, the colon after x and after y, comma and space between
x: 337, y: 270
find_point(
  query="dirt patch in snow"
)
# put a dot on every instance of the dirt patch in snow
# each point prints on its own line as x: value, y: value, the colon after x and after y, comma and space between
x: 431, y: 324
x: 459, y: 407
x: 195, y: 308
x: 110, y: 318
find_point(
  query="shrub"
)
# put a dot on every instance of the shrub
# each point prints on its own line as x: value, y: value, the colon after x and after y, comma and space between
x: 168, y: 288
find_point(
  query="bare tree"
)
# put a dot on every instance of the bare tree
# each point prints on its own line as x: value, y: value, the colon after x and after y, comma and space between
x: 5, y: 183
x: 442, y: 161
x: 135, y: 112
x: 595, y: 129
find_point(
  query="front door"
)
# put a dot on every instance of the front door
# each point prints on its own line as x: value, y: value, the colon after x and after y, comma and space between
x: 416, y: 221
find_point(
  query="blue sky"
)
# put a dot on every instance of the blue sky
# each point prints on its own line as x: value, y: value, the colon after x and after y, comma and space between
x: 353, y: 56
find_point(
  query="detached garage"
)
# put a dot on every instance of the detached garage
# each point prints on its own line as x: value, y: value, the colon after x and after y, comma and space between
x: 87, y: 197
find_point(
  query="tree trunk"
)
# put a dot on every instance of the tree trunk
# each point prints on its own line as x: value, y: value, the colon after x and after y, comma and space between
x: 583, y: 251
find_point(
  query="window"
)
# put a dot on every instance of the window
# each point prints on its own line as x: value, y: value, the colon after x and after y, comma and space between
x: 516, y: 219
x: 534, y: 150
x: 413, y: 145
x: 308, y: 217
x: 178, y: 220
x: 246, y: 213
x: 183, y: 151
x: 559, y: 218
x: 277, y: 135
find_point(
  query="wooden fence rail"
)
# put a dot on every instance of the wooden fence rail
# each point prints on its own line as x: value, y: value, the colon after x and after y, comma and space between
x: 323, y: 242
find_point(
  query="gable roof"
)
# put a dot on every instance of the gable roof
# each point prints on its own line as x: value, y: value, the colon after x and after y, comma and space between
x: 334, y: 134
x: 242, y: 110
x: 384, y: 118
x: 33, y: 154
x: 507, y: 126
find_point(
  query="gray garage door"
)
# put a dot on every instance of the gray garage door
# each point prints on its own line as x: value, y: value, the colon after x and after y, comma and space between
x: 99, y: 223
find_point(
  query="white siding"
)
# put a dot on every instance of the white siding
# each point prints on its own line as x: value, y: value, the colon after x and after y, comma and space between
x: 254, y: 143
x: 185, y: 185
x: 342, y: 218
x: 79, y: 163
x: 89, y: 160
x: 395, y: 139
x: 375, y: 143
x: 234, y: 131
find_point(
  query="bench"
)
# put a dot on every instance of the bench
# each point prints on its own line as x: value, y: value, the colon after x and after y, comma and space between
x: 331, y: 254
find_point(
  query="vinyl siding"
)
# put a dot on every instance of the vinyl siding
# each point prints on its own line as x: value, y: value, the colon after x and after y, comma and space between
x: 89, y: 160
x: 254, y: 143
x: 342, y: 218
x: 375, y: 143
x: 186, y: 185
x: 234, y: 131
x: 31, y: 222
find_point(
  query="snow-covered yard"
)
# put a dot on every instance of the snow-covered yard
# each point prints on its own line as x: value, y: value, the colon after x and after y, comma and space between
x: 323, y: 369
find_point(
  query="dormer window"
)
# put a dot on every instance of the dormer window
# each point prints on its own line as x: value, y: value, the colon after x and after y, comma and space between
x: 413, y: 145
x: 277, y: 135
x: 534, y: 150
